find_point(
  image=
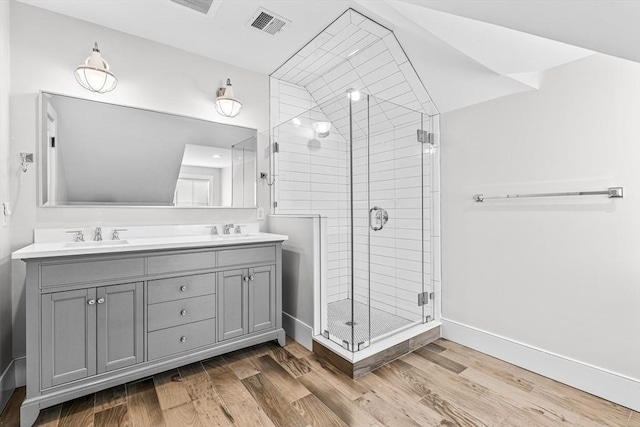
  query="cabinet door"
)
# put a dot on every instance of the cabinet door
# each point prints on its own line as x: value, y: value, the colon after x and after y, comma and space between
x: 68, y: 336
x: 120, y: 326
x: 232, y: 304
x: 262, y: 298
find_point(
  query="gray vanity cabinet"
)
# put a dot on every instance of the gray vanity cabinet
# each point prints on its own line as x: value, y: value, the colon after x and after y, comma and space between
x: 90, y: 331
x: 233, y: 303
x: 68, y: 336
x: 120, y: 326
x: 246, y: 301
x: 98, y: 320
x: 262, y: 298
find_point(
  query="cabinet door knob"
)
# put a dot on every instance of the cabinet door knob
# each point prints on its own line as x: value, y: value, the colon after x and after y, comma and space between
x: 183, y: 339
x: 183, y: 313
x: 183, y: 288
x: 100, y: 300
x: 245, y: 278
x: 251, y: 277
x: 91, y: 302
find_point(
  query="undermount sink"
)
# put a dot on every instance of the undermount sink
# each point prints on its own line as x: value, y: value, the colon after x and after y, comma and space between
x: 96, y: 243
x: 234, y: 236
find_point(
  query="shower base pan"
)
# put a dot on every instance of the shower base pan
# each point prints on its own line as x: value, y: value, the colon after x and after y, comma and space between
x: 379, y: 353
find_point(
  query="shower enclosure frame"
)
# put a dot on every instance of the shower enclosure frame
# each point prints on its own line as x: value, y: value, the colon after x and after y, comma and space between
x: 430, y: 140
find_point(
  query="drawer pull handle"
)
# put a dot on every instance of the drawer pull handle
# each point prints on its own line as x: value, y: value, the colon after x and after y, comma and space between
x: 245, y: 278
x: 183, y: 288
x: 251, y: 277
x: 100, y: 300
x: 91, y: 302
x: 183, y: 313
x: 183, y: 339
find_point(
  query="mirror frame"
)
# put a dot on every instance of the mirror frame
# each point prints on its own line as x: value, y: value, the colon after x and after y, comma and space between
x: 41, y: 132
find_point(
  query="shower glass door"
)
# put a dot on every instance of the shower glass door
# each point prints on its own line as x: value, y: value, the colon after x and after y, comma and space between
x: 395, y: 226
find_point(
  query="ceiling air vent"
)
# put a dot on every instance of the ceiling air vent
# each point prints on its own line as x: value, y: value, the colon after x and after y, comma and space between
x: 268, y: 22
x: 201, y: 6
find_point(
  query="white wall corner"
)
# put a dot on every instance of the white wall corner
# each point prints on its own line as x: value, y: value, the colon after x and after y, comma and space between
x: 299, y: 331
x: 20, y: 364
x: 7, y: 384
x: 608, y: 385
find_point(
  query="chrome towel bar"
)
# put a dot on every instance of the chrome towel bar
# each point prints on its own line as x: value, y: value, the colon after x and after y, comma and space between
x: 611, y: 192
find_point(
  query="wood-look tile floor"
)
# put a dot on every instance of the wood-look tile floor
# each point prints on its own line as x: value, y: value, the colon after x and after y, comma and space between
x: 442, y: 384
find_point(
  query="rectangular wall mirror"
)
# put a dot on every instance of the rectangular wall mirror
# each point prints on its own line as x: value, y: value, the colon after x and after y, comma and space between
x: 95, y: 154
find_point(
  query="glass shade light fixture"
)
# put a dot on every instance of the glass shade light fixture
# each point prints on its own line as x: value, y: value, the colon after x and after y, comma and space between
x: 322, y: 129
x: 226, y: 104
x: 94, y: 74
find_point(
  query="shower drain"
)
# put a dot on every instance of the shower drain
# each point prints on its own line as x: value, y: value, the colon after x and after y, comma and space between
x: 350, y: 323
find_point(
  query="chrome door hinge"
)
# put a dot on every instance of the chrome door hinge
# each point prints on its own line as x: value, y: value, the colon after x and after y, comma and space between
x: 425, y: 137
x: 276, y: 147
x: 275, y: 204
x: 424, y: 297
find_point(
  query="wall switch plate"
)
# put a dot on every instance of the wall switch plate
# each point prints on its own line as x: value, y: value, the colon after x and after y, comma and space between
x: 260, y: 214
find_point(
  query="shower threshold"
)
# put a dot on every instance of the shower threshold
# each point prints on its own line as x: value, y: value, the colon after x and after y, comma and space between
x: 381, y: 352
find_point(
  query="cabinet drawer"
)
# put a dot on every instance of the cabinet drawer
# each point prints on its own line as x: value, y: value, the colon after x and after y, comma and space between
x: 175, y: 288
x: 91, y: 271
x: 174, y: 340
x: 247, y: 256
x: 181, y: 262
x: 175, y: 313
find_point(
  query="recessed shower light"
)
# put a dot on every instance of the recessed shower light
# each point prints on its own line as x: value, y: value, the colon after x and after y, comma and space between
x: 353, y: 94
x: 322, y: 129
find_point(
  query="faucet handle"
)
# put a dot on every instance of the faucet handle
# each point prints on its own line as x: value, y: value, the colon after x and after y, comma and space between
x: 238, y: 229
x: 115, y: 235
x: 98, y: 234
x: 214, y: 229
x: 79, y: 235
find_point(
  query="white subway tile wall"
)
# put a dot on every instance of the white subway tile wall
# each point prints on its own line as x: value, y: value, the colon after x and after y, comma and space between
x: 391, y: 168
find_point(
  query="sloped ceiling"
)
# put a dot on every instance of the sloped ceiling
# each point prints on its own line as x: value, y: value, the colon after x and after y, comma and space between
x: 465, y: 52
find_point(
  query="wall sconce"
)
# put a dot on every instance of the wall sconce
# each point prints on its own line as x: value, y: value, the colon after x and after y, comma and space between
x: 226, y: 104
x: 94, y: 74
x: 322, y: 129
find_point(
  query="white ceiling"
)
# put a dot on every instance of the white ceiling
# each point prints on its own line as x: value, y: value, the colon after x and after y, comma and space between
x: 464, y: 51
x: 206, y: 157
x: 606, y: 26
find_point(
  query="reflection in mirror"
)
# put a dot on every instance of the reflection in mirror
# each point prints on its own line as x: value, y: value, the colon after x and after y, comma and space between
x: 94, y: 153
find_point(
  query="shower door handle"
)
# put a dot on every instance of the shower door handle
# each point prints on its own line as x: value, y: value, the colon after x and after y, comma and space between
x: 378, y: 217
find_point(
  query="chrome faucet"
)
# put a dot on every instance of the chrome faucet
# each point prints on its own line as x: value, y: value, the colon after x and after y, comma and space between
x: 238, y: 229
x: 227, y: 228
x: 116, y: 233
x: 79, y: 235
x: 214, y: 229
x: 97, y: 236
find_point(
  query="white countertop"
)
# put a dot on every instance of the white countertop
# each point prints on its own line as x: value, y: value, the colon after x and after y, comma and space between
x: 60, y: 249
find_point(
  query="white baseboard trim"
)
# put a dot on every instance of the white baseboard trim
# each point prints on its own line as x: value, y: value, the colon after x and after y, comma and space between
x: 7, y: 384
x: 298, y: 330
x: 612, y: 386
x: 21, y: 371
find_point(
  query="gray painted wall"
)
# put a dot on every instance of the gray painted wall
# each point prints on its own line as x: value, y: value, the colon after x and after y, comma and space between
x: 564, y: 271
x: 5, y: 249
